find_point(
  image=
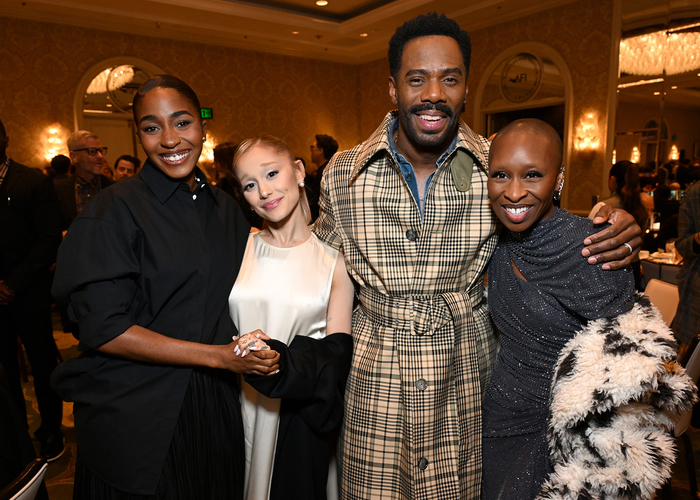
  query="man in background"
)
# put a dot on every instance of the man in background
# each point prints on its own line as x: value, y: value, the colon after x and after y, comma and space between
x: 30, y: 231
x: 60, y: 165
x: 323, y: 148
x: 76, y: 191
x: 125, y: 166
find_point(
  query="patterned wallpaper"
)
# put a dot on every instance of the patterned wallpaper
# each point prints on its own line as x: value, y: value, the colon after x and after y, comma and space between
x: 251, y: 93
x: 294, y: 98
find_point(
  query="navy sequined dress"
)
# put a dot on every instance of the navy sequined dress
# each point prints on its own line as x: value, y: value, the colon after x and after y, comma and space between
x: 535, y: 319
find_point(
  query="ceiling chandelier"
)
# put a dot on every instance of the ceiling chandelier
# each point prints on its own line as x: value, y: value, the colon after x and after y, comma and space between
x: 652, y: 53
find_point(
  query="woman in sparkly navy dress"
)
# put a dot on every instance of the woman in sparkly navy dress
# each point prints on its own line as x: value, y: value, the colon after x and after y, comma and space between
x: 541, y: 293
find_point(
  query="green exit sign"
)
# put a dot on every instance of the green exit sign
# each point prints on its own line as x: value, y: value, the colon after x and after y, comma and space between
x: 207, y: 113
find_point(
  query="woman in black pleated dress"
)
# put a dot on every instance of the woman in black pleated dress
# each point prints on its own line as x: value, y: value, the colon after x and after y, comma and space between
x: 147, y: 268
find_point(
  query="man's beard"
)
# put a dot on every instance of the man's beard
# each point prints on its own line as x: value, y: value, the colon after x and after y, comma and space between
x: 428, y: 140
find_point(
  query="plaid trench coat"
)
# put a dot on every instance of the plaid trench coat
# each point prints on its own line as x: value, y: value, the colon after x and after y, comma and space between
x: 422, y: 333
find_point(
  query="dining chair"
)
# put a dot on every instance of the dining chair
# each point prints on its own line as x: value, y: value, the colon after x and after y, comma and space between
x: 665, y: 297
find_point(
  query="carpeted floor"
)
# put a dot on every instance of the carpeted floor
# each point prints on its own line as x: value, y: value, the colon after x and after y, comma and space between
x: 59, y: 477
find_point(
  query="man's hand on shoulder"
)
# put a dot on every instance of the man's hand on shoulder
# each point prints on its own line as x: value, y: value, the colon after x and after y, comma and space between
x: 616, y: 245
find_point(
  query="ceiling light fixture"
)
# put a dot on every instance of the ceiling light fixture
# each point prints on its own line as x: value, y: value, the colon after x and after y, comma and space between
x: 295, y: 32
x: 653, y: 53
x: 640, y: 82
x: 321, y: 3
x: 363, y: 35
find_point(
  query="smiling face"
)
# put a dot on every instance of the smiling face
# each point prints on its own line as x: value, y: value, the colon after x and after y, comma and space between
x: 170, y: 132
x: 270, y: 183
x: 429, y: 90
x: 524, y: 173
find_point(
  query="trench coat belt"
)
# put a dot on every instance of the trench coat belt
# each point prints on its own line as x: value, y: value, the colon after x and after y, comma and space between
x: 419, y: 314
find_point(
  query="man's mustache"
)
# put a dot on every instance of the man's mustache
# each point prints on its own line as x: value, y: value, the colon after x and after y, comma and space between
x: 431, y: 107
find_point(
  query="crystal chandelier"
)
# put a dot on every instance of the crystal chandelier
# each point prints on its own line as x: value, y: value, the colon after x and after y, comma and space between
x: 652, y: 53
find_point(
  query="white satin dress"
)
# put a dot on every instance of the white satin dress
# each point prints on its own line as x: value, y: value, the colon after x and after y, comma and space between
x: 284, y: 292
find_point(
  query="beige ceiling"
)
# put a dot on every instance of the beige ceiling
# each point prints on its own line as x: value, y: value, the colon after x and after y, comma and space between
x: 333, y: 32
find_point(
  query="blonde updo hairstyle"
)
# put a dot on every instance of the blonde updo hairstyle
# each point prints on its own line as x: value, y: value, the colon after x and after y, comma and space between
x: 281, y: 148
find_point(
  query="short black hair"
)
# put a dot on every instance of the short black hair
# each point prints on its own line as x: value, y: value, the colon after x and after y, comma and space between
x: 130, y: 159
x: 327, y: 144
x: 2, y: 129
x: 60, y: 164
x: 166, y: 82
x: 427, y: 25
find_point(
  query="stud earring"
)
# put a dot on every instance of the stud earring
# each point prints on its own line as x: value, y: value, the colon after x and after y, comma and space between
x: 301, y: 184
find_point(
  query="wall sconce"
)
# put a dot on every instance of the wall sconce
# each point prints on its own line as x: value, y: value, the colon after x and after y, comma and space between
x: 587, y: 141
x: 614, y: 157
x: 635, y: 155
x: 54, y: 141
x: 674, y: 153
x: 208, y: 150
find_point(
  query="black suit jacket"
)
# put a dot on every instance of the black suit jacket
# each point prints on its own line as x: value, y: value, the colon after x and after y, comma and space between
x: 65, y: 189
x: 29, y: 225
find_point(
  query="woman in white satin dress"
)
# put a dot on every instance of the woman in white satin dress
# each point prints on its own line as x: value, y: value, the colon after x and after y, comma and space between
x: 295, y: 289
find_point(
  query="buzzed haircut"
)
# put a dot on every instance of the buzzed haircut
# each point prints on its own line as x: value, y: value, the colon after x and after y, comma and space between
x: 533, y: 126
x: 327, y: 144
x: 427, y: 25
x: 77, y: 137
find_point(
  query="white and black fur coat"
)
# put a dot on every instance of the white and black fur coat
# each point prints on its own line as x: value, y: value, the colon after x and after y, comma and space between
x: 616, y: 392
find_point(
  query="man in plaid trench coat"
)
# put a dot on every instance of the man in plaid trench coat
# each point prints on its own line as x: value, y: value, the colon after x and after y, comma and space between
x: 409, y: 209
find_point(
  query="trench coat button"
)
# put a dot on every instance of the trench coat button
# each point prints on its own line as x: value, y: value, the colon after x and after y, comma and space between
x: 421, y: 384
x: 412, y: 235
x: 423, y: 463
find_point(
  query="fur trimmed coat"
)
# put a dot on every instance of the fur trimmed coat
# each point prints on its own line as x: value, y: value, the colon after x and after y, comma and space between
x: 616, y: 390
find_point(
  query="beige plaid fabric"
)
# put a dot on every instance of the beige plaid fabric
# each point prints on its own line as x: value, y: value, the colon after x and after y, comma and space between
x: 423, y: 339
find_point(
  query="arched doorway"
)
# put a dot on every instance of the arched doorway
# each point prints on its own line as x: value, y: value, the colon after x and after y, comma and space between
x: 102, y: 103
x: 527, y: 80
